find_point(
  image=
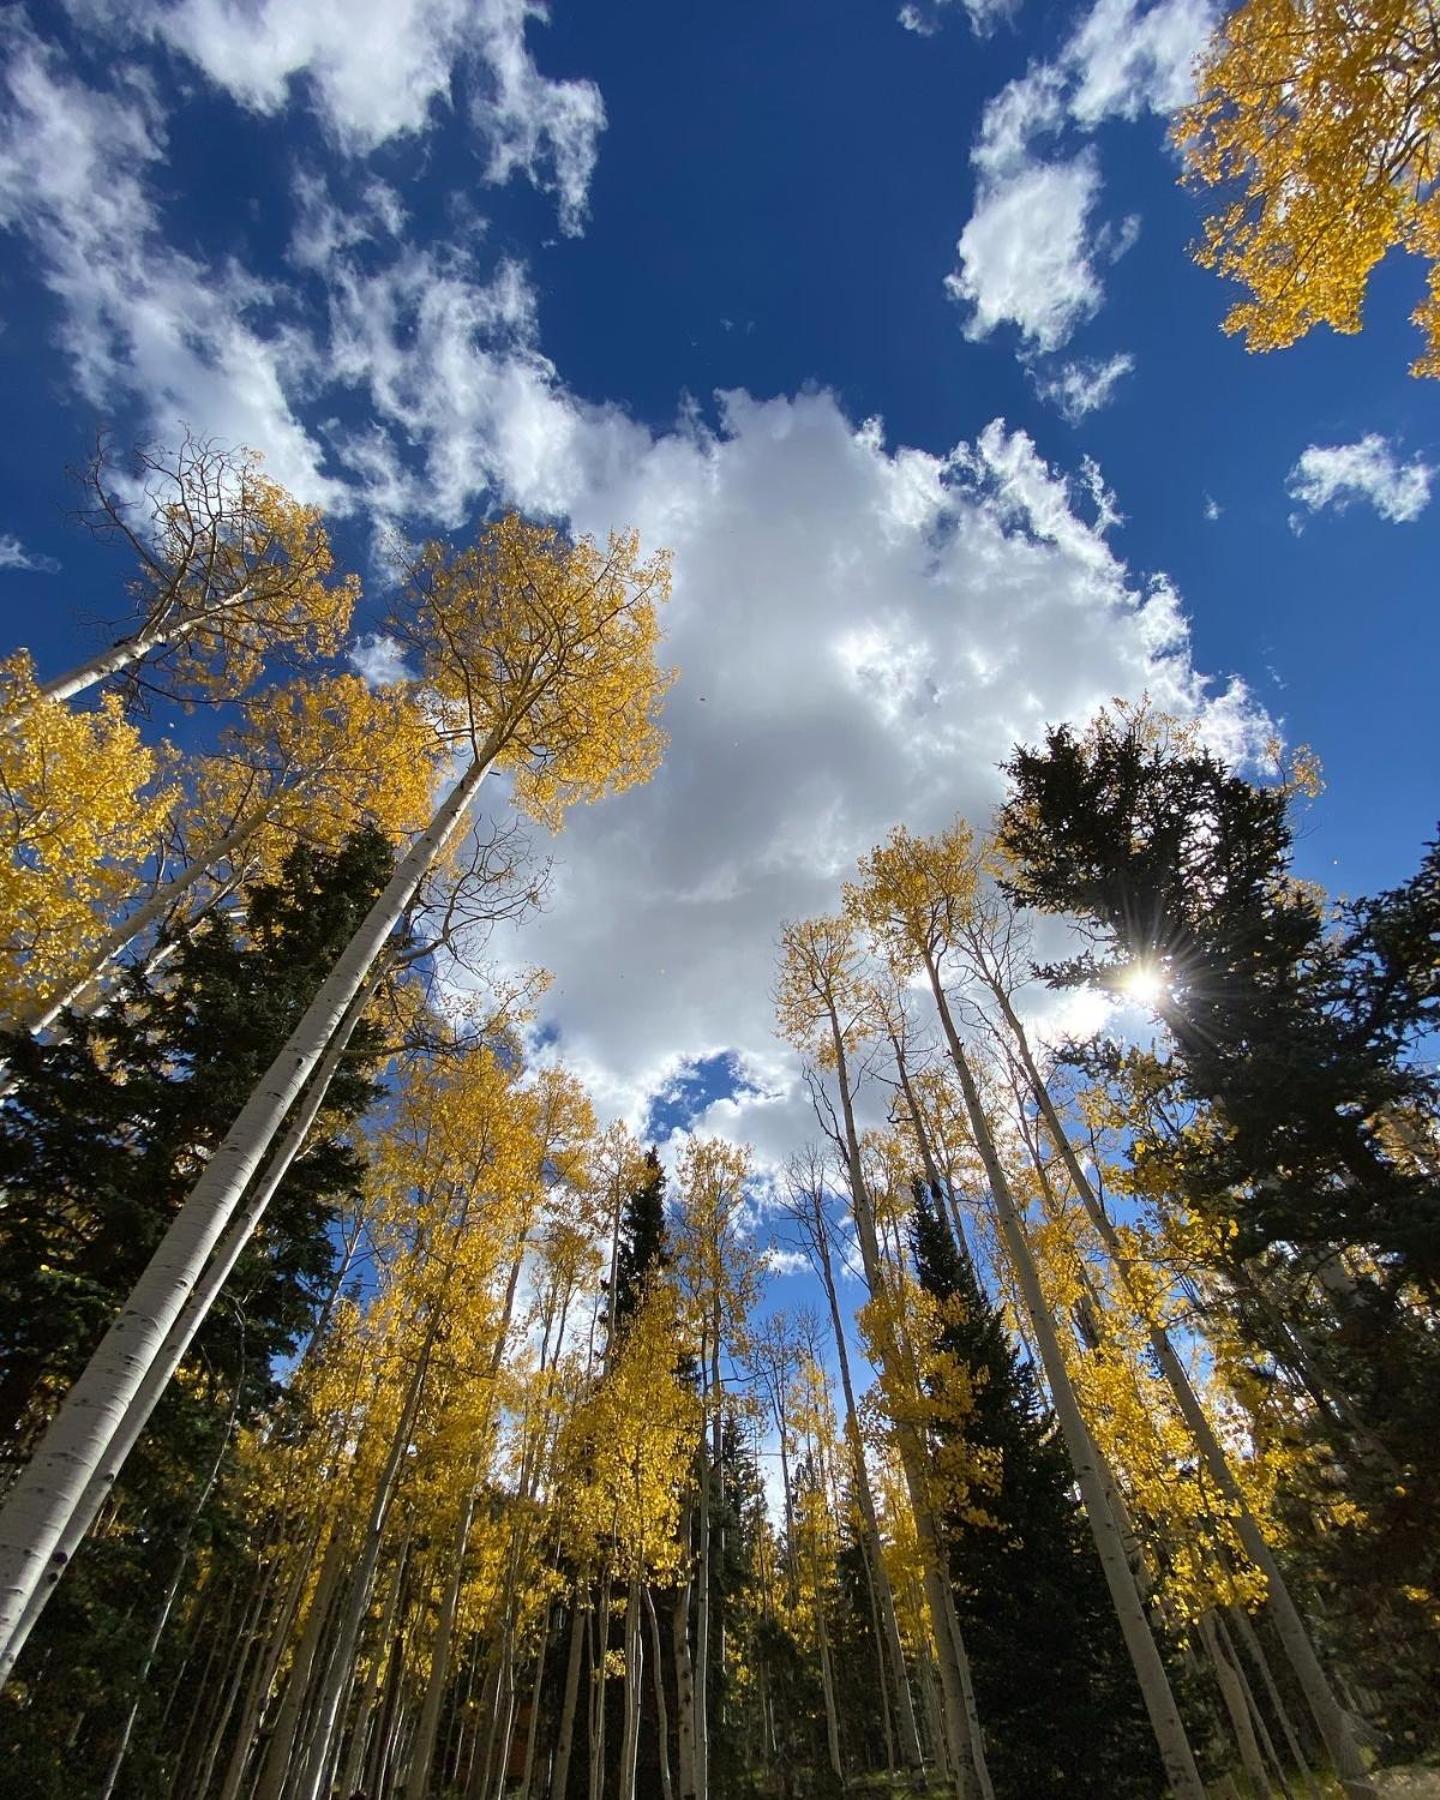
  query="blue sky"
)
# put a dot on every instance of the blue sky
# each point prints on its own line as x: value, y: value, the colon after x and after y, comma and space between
x: 674, y: 265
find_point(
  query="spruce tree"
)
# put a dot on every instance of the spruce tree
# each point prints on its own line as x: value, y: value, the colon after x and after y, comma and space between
x: 643, y: 1242
x: 100, y: 1140
x: 1056, y: 1693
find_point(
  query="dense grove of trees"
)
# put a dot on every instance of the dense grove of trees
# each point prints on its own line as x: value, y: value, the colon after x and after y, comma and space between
x: 376, y: 1419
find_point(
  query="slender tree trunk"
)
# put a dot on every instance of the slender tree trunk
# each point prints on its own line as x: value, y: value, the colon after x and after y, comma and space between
x: 1233, y: 1695
x: 42, y: 1013
x: 135, y: 1414
x: 270, y: 1784
x: 385, y: 1666
x: 1299, y: 1764
x: 662, y: 1710
x: 560, y: 1776
x: 1175, y: 1751
x: 1252, y: 1705
x: 684, y: 1676
x: 893, y: 1643
x: 599, y: 1651
x: 967, y: 1752
x: 1329, y: 1716
x: 357, y: 1598
x: 634, y: 1676
x: 131, y: 650
x: 532, y: 1729
x: 423, y: 1750
x: 47, y: 1493
x: 702, y: 1631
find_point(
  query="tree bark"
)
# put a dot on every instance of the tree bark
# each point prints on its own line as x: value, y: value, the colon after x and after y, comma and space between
x: 136, y: 1413
x: 560, y: 1776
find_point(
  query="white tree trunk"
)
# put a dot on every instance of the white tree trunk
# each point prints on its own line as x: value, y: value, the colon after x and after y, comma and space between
x: 1165, y: 1721
x: 52, y: 1486
x: 147, y: 1396
x: 634, y: 1693
x: 135, y: 649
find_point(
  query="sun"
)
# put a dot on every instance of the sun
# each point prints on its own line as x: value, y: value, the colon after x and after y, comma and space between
x: 1144, y: 983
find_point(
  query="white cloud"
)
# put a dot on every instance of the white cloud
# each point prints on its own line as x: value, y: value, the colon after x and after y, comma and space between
x: 863, y: 630
x: 14, y: 555
x: 139, y: 318
x: 1083, y: 386
x: 377, y: 69
x: 1033, y: 246
x: 379, y: 659
x: 1025, y: 255
x: 862, y: 633
x: 1212, y: 509
x: 1369, y: 470
x: 925, y: 17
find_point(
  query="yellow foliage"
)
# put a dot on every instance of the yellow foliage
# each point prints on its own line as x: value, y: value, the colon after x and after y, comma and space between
x: 80, y: 815
x: 1321, y: 120
x: 542, y: 651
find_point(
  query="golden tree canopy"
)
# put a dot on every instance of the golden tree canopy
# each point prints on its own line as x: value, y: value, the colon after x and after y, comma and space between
x: 1320, y: 119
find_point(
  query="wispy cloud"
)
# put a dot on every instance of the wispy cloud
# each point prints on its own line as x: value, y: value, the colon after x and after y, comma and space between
x: 1083, y: 386
x: 14, y: 555
x: 1369, y: 471
x: 1035, y: 247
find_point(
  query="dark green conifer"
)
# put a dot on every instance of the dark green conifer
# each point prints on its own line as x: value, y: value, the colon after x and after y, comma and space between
x: 1057, y: 1697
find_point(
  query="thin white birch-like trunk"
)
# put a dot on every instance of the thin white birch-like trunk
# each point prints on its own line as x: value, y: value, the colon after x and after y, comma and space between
x: 422, y: 1751
x: 701, y: 1660
x: 684, y: 1674
x: 1233, y: 1696
x: 881, y: 1589
x: 357, y: 1597
x: 662, y: 1710
x: 1175, y: 1752
x: 634, y: 1675
x: 275, y: 1767
x: 52, y: 1486
x: 967, y: 1750
x: 1299, y: 1765
x: 43, y: 1013
x: 560, y: 1774
x: 132, y: 650
x: 1252, y: 1704
x: 387, y: 1643
x: 196, y: 1310
x: 1299, y: 1648
x: 599, y: 1649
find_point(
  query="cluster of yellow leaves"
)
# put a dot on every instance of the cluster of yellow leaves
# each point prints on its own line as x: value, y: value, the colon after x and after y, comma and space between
x: 915, y: 894
x: 632, y: 1447
x: 543, y: 653
x: 236, y: 569
x: 80, y: 807
x: 1322, y: 118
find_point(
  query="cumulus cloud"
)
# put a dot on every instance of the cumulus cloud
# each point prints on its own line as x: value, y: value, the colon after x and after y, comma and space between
x: 1212, y: 509
x: 1034, y: 246
x: 14, y: 555
x: 374, y: 70
x: 1369, y: 470
x: 1025, y: 255
x: 863, y: 631
x: 1083, y: 386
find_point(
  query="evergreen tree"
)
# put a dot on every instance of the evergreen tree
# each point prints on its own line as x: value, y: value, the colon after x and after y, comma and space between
x: 1055, y: 1690
x: 643, y: 1242
x: 100, y: 1140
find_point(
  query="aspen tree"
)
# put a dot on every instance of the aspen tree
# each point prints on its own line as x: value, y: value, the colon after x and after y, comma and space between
x: 543, y: 654
x: 910, y: 896
x: 823, y: 1005
x: 230, y: 568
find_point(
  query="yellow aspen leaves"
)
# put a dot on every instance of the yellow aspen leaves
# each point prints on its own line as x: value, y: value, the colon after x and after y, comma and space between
x: 80, y: 812
x: 1320, y: 125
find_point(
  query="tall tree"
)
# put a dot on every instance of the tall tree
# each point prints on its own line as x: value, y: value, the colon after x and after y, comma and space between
x: 541, y: 655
